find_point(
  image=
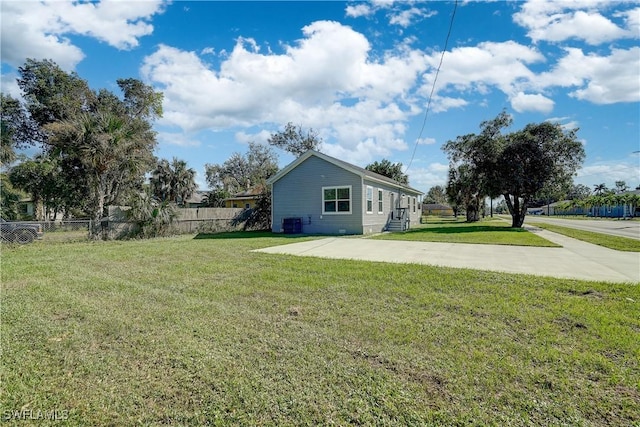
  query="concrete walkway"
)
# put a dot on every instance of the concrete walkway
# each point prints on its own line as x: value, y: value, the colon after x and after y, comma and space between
x: 575, y: 260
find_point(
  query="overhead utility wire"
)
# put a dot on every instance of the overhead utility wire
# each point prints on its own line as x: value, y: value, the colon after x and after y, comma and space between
x: 433, y: 87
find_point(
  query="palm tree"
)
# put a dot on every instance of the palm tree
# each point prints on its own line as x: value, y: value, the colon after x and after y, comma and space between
x: 599, y: 189
x: 173, y: 181
x: 114, y: 151
x: 184, y: 182
x: 152, y: 217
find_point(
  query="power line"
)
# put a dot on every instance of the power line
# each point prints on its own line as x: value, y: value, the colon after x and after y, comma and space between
x: 433, y: 87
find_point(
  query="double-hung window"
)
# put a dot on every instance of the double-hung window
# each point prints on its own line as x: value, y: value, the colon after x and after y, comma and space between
x: 336, y: 200
x: 369, y: 199
x: 380, y: 205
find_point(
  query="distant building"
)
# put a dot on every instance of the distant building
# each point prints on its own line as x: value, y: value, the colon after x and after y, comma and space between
x: 246, y: 199
x: 196, y: 199
x: 436, y: 209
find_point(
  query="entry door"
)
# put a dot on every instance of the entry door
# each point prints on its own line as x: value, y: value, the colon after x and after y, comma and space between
x: 392, y: 201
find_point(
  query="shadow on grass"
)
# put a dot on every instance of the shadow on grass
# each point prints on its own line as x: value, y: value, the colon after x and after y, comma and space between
x: 465, y: 229
x: 247, y: 235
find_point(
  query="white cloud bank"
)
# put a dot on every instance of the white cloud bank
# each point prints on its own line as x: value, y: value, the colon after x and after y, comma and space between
x: 556, y: 21
x: 327, y: 80
x: 44, y: 27
x: 331, y: 80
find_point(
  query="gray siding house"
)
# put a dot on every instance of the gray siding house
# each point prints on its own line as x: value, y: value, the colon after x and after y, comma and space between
x: 319, y: 194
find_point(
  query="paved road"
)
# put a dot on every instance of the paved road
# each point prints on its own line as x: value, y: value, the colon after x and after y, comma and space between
x: 615, y: 227
x: 575, y: 259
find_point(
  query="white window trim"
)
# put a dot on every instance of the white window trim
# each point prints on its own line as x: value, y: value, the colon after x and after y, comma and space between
x: 350, y: 199
x: 380, y: 201
x: 366, y: 199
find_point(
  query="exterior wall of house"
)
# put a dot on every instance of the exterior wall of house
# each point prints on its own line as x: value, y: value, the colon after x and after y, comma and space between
x: 377, y: 220
x: 298, y: 194
x: 239, y: 203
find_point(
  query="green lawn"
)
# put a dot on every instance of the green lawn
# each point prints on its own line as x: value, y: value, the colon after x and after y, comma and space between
x: 488, y: 231
x: 608, y: 241
x: 193, y: 331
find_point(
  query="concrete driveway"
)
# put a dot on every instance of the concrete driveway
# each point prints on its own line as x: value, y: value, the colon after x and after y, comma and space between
x: 615, y: 227
x: 575, y: 260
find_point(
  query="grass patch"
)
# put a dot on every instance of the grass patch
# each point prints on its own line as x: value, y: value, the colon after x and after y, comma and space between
x: 488, y: 231
x: 617, y: 243
x: 202, y: 331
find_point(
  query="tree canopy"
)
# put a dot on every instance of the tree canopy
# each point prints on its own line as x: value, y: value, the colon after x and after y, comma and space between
x: 99, y: 143
x: 388, y: 169
x: 172, y: 181
x: 295, y: 140
x: 436, y: 194
x: 243, y: 171
x: 17, y: 128
x: 518, y: 165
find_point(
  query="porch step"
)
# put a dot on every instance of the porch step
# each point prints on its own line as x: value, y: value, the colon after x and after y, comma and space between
x: 395, y: 226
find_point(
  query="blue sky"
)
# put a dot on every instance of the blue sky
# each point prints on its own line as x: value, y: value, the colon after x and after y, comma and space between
x: 359, y: 73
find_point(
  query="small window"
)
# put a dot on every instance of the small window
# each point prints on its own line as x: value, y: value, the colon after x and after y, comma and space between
x: 336, y: 200
x: 414, y: 205
x: 369, y: 199
x: 380, y: 205
x: 247, y: 206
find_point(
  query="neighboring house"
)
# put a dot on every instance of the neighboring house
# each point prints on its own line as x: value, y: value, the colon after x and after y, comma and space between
x: 436, y: 209
x: 319, y: 194
x: 246, y: 199
x: 562, y: 207
x: 195, y: 200
x: 26, y: 207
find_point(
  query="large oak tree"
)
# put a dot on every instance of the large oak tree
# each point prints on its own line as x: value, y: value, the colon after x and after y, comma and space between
x: 517, y: 165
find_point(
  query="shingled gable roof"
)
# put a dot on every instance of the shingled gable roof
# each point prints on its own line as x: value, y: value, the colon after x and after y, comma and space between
x: 344, y: 165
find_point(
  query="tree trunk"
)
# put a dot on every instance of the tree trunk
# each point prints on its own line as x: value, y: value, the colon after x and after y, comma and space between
x: 517, y: 210
x: 473, y: 211
x: 98, y: 211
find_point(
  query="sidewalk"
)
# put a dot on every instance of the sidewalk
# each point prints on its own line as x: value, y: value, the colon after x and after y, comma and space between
x: 575, y: 260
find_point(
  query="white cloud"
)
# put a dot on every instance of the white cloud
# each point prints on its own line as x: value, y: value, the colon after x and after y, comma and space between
x: 556, y: 21
x: 9, y: 85
x: 426, y: 177
x: 632, y: 20
x: 402, y: 14
x: 612, y: 79
x: 177, y: 138
x: 40, y: 29
x: 362, y: 9
x: 501, y: 65
x: 261, y: 137
x: 327, y: 81
x: 440, y: 104
x: 565, y: 122
x: 522, y: 102
x: 600, y: 79
x: 406, y: 17
x: 426, y: 141
x: 609, y: 173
